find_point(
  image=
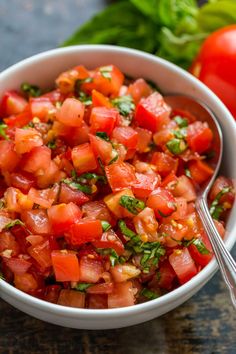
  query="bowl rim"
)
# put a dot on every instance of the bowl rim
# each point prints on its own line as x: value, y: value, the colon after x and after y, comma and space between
x: 197, y: 280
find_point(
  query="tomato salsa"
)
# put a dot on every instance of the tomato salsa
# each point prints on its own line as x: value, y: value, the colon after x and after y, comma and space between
x: 98, y: 186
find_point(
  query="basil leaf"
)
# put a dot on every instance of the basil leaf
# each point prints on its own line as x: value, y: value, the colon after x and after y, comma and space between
x: 125, y: 230
x: 13, y: 223
x: 125, y: 105
x: 103, y: 136
x: 52, y: 144
x: 106, y: 72
x: 92, y: 176
x: 182, y: 122
x: 83, y: 286
x: 79, y: 82
x: 201, y: 247
x: 133, y: 205
x: 105, y: 225
x: 31, y: 90
x: 85, y: 99
x: 216, y: 209
x: 150, y: 295
x: 83, y: 188
x: 176, y: 146
x: 3, y: 128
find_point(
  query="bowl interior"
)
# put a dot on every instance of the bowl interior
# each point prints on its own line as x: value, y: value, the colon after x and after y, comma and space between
x: 42, y: 70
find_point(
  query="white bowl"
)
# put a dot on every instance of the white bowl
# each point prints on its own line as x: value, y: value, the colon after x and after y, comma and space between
x: 42, y: 69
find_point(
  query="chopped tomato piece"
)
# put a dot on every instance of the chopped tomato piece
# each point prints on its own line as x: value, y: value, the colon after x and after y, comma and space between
x: 200, y: 171
x: 123, y: 272
x: 139, y: 89
x: 44, y: 197
x: 68, y: 195
x: 162, y: 202
x: 220, y: 183
x: 71, y: 113
x: 120, y: 175
x: 66, y: 80
x: 91, y: 269
x: 144, y: 139
x: 112, y: 201
x: 42, y: 108
x: 9, y: 159
x: 71, y: 298
x: 62, y: 216
x: 36, y: 221
x: 107, y: 80
x: 19, y: 120
x: 41, y: 253
x: 152, y: 112
x: 25, y: 282
x: 65, y: 265
x: 109, y: 239
x: 199, y: 137
x: 97, y: 301
x: 121, y: 296
x: 103, y: 288
x: 164, y: 163
x: 26, y: 140
x: 18, y: 265
x: 85, y: 230
x: 146, y: 225
x: 203, y: 257
x: 99, y: 100
x: 126, y: 136
x: 184, y: 188
x: 97, y: 210
x: 12, y: 103
x: 22, y: 181
x: 183, y: 265
x: 145, y: 185
x: 8, y: 242
x: 83, y: 158
x: 102, y: 149
x: 167, y: 275
x: 103, y: 119
x: 37, y: 160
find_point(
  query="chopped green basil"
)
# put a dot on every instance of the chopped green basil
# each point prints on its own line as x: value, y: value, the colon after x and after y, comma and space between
x: 133, y: 205
x: 216, y: 209
x: 92, y: 176
x: 150, y: 295
x: 103, y: 136
x: 180, y: 133
x: 188, y: 173
x: 52, y: 144
x: 182, y: 122
x: 201, y: 247
x: 125, y: 105
x: 13, y: 223
x: 105, y: 225
x: 115, y: 158
x: 85, y: 99
x: 31, y: 90
x: 153, y: 251
x: 83, y: 188
x: 113, y: 256
x: 106, y: 72
x: 125, y: 230
x: 82, y: 286
x: 3, y: 128
x: 176, y: 146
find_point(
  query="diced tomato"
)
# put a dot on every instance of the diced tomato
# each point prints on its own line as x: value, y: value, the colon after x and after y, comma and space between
x: 49, y: 176
x: 146, y: 225
x: 62, y: 216
x: 26, y: 140
x: 90, y: 269
x: 202, y: 258
x: 181, y: 209
x: 65, y: 265
x: 8, y: 242
x: 167, y: 275
x: 71, y: 298
x: 66, y: 80
x: 71, y: 113
x: 170, y: 181
x: 121, y: 296
x: 44, y: 197
x: 22, y: 181
x: 120, y: 175
x: 112, y: 201
x: 103, y: 119
x: 85, y: 230
x: 139, y: 89
x: 220, y: 183
x: 25, y: 282
x: 52, y: 293
x: 8, y: 157
x: 19, y: 120
x: 199, y: 137
x: 16, y: 201
x: 165, y: 163
x: 99, y: 100
x: 42, y: 108
x: 103, y: 288
x: 68, y: 195
x: 183, y: 265
x: 54, y: 96
x: 12, y: 103
x: 173, y: 232
x: 145, y: 185
x: 184, y: 188
x: 97, y: 210
x: 200, y: 171
x: 109, y: 239
x: 97, y: 301
x: 41, y: 253
x: 18, y: 265
x: 102, y: 149
x: 152, y: 112
x: 35, y: 239
x: 123, y: 272
x: 126, y: 136
x: 37, y: 160
x: 83, y: 158
x: 162, y: 202
x: 144, y: 139
x: 36, y: 221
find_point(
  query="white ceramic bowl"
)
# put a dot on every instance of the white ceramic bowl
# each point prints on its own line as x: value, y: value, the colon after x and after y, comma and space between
x: 42, y: 70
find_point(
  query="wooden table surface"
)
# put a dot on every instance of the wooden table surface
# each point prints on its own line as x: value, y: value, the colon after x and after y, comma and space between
x: 205, y: 324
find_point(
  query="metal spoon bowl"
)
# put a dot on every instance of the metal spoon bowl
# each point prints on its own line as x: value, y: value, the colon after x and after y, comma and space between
x: 202, y: 112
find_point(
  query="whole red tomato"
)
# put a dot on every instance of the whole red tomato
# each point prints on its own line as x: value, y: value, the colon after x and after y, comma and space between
x: 215, y: 65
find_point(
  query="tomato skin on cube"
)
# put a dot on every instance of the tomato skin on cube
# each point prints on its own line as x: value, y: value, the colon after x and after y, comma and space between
x: 83, y: 158
x: 199, y: 137
x: 120, y: 175
x: 71, y: 298
x: 103, y: 119
x: 84, y: 230
x: 183, y: 265
x: 65, y: 265
x: 90, y: 270
x: 71, y: 113
x: 122, y: 295
x: 152, y: 112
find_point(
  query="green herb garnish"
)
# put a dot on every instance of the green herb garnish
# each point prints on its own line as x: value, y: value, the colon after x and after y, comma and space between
x: 103, y: 136
x: 182, y: 122
x: 52, y: 144
x: 201, y: 247
x: 106, y: 72
x: 125, y: 230
x: 13, y: 223
x: 85, y: 99
x: 125, y: 105
x: 31, y: 90
x: 176, y: 146
x: 150, y: 295
x: 83, y: 188
x: 3, y: 128
x: 133, y: 205
x: 83, y: 286
x: 92, y: 176
x: 216, y: 209
x: 105, y: 225
x: 188, y: 173
x: 113, y: 256
x: 180, y: 133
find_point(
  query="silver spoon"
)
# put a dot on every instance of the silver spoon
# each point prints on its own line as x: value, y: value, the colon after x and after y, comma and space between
x: 225, y: 260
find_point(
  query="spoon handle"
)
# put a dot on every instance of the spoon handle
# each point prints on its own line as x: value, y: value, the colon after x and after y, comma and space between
x: 225, y: 260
